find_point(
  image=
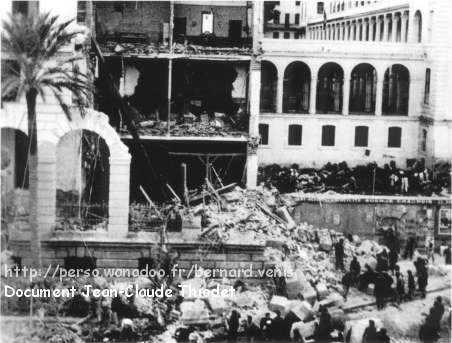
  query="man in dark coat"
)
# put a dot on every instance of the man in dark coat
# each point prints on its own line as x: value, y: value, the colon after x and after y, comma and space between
x: 393, y: 256
x: 278, y: 327
x: 411, y: 285
x: 400, y: 288
x: 438, y: 312
x: 265, y: 326
x: 370, y: 333
x: 355, y: 269
x: 324, y: 327
x: 339, y: 253
x: 382, y: 336
x: 447, y: 255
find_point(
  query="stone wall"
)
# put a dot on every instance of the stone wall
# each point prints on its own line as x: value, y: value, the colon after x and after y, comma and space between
x: 364, y: 216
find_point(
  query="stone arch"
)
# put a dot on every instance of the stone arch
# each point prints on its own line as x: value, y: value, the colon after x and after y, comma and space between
x: 330, y: 81
x: 363, y: 88
x: 396, y: 86
x: 296, y: 89
x: 82, y: 180
x: 269, y: 85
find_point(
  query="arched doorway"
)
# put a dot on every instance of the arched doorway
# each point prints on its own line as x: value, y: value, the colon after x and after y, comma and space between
x: 269, y: 84
x: 329, y: 88
x: 363, y: 87
x: 82, y: 185
x: 396, y: 90
x: 297, y: 80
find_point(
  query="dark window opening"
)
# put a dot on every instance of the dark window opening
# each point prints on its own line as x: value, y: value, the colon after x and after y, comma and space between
x: 328, y: 135
x: 296, y: 35
x: 287, y: 20
x: 424, y: 140
x: 263, y: 133
x: 83, y: 263
x: 235, y: 32
x: 396, y: 90
x: 297, y: 19
x: 363, y: 89
x: 329, y: 88
x: 427, y: 87
x: 269, y: 84
x: 394, y: 137
x: 20, y: 7
x: 276, y: 34
x: 297, y: 3
x: 361, y: 136
x: 320, y: 7
x: 81, y: 12
x: 295, y: 133
x: 296, y: 88
x: 286, y: 35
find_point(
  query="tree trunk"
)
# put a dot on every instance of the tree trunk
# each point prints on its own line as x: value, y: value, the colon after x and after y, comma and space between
x: 35, y: 241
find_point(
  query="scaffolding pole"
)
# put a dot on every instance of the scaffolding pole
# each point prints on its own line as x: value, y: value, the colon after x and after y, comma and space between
x: 170, y: 65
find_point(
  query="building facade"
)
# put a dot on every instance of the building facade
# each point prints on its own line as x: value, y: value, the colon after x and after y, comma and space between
x: 363, y: 81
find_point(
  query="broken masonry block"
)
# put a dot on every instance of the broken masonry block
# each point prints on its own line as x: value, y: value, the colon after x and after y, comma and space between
x: 275, y: 243
x: 310, y: 295
x: 279, y: 303
x: 217, y: 304
x: 305, y: 329
x: 302, y: 309
x: 322, y: 290
x: 370, y: 289
x: 337, y: 317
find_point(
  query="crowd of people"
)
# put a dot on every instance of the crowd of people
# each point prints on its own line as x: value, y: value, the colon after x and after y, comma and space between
x: 417, y: 179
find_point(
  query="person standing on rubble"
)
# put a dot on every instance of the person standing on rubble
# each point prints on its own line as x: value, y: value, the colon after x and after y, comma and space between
x: 233, y: 326
x: 379, y: 291
x: 355, y: 268
x: 251, y: 329
x: 278, y: 328
x: 339, y: 254
x: 324, y: 328
x: 370, y: 333
x: 400, y: 288
x: 447, y: 255
x: 265, y: 326
x: 411, y: 285
x: 393, y: 257
x: 409, y: 248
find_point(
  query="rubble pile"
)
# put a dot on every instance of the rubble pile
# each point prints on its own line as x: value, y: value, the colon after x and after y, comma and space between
x: 200, y: 127
x: 362, y: 179
x: 112, y: 46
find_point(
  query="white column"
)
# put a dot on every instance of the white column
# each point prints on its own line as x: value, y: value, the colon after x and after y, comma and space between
x: 385, y: 28
x: 254, y: 99
x: 280, y: 93
x: 378, y: 23
x: 46, y: 189
x: 379, y: 95
x: 118, y: 198
x: 346, y: 94
x: 404, y: 19
x: 313, y: 95
x: 395, y: 20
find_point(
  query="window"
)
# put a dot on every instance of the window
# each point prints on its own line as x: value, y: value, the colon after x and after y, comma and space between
x: 394, y: 137
x: 296, y: 35
x: 427, y: 87
x: 297, y: 19
x: 287, y: 20
x: 263, y: 133
x: 80, y: 263
x: 81, y: 12
x: 361, y: 136
x: 276, y: 18
x: 424, y: 140
x: 320, y: 7
x: 286, y: 35
x: 276, y: 34
x: 207, y: 22
x: 297, y: 3
x: 328, y: 135
x: 20, y: 7
x: 295, y: 132
x: 444, y: 222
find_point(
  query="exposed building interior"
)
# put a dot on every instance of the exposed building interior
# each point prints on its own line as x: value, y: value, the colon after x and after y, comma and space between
x: 202, y: 80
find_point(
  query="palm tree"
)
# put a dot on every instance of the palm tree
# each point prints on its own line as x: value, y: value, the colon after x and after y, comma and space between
x: 35, y: 44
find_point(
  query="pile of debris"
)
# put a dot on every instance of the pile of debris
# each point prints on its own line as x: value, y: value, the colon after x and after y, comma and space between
x: 136, y: 49
x: 190, y: 125
x: 362, y: 179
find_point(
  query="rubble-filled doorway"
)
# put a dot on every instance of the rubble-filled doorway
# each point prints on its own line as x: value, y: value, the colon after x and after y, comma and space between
x: 165, y: 166
x: 82, y: 185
